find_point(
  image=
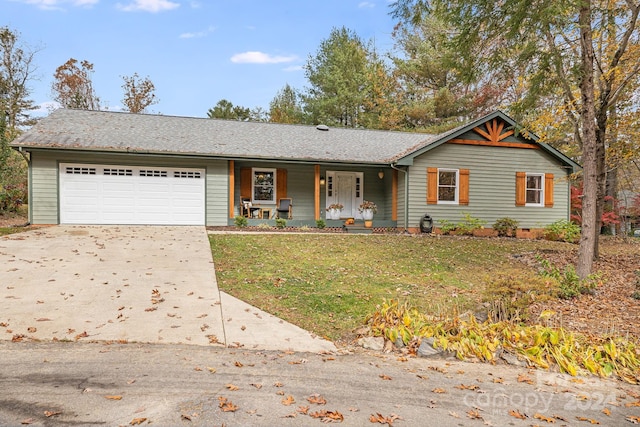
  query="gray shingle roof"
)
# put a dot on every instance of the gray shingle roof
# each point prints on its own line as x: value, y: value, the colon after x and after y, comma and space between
x: 124, y: 132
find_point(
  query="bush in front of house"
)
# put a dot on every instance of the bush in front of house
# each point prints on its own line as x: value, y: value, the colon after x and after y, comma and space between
x: 240, y: 221
x: 563, y: 231
x: 506, y: 227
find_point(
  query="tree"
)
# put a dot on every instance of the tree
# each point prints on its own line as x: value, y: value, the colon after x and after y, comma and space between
x: 286, y: 107
x: 72, y: 86
x: 337, y: 74
x: 554, y: 44
x: 16, y: 71
x: 435, y: 95
x: 138, y: 93
x: 225, y: 109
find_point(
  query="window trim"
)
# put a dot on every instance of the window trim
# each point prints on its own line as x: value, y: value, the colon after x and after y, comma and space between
x: 274, y: 196
x: 457, y: 187
x: 541, y: 203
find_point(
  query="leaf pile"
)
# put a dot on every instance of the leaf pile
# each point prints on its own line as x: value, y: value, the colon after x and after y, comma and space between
x: 542, y: 346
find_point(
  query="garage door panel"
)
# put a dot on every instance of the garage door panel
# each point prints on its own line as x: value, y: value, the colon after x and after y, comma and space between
x: 105, y: 194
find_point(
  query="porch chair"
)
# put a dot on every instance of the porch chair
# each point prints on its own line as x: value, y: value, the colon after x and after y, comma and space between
x: 284, y: 206
x: 246, y: 209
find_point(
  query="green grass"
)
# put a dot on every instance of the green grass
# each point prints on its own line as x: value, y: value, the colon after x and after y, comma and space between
x: 329, y: 284
x: 10, y: 230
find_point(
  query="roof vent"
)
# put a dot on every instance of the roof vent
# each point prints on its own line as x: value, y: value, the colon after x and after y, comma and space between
x: 322, y: 127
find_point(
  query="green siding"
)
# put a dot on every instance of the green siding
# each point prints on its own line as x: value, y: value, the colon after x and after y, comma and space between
x: 44, y: 180
x: 43, y: 189
x: 491, y: 184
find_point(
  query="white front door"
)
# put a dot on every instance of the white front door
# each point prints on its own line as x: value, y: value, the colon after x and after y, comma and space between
x: 345, y: 188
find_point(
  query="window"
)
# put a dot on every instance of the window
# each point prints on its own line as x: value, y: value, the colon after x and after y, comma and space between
x: 534, y: 190
x: 263, y: 185
x: 447, y: 186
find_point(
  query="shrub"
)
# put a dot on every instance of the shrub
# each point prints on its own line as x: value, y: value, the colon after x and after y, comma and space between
x: 446, y: 226
x: 562, y: 230
x: 569, y: 284
x: 281, y: 223
x: 508, y: 297
x: 240, y: 221
x: 320, y: 223
x: 469, y: 224
x: 506, y: 227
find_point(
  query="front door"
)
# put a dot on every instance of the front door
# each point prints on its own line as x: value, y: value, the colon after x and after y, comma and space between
x: 345, y: 188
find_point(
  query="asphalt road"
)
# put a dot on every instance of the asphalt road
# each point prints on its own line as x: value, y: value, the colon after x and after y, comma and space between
x: 75, y: 383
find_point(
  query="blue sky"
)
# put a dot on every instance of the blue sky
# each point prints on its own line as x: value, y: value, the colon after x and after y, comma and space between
x: 195, y: 52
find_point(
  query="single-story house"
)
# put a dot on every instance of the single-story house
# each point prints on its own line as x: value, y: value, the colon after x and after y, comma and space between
x: 98, y: 167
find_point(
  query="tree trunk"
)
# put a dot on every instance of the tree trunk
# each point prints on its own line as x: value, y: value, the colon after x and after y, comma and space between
x: 588, y: 237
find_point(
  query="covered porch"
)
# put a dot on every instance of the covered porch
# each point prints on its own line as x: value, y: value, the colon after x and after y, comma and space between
x: 311, y: 188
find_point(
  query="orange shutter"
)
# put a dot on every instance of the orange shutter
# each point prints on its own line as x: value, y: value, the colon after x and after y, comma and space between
x: 281, y: 184
x: 432, y: 186
x: 548, y: 190
x: 521, y: 186
x: 463, y: 190
x: 245, y: 183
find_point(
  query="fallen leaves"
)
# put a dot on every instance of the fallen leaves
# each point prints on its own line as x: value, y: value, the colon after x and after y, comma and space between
x: 137, y: 421
x: 589, y: 420
x: 226, y: 405
x: 317, y: 399
x: 113, y: 397
x: 381, y: 419
x: 51, y: 413
x: 289, y: 400
x: 543, y: 418
x: 328, y: 416
x: 517, y: 414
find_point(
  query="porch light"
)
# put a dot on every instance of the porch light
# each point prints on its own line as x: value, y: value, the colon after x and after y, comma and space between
x: 322, y: 180
x: 381, y: 174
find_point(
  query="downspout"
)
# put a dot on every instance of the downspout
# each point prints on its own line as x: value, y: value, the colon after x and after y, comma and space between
x: 406, y: 195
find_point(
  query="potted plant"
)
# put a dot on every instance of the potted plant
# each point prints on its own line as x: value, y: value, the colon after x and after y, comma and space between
x: 333, y: 210
x: 367, y: 209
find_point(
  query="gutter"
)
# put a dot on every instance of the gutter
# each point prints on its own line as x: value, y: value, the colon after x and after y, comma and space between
x: 406, y: 194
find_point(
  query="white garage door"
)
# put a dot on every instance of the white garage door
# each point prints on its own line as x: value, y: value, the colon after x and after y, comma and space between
x: 107, y: 194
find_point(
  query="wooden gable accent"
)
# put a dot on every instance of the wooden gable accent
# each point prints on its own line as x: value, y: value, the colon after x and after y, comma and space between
x: 494, y: 134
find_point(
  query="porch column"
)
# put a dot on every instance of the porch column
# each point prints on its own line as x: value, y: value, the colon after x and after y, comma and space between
x: 394, y: 196
x: 316, y: 193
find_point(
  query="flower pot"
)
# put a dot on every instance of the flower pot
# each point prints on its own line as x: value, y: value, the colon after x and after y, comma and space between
x: 368, y: 223
x: 367, y: 214
x: 333, y: 214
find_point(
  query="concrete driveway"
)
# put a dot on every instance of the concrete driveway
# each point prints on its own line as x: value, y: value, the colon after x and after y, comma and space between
x: 152, y: 284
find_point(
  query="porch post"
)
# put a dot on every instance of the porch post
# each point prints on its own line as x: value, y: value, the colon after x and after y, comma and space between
x: 394, y: 196
x: 316, y: 195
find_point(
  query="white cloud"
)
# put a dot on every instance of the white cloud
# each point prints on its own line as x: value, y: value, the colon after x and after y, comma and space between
x: 254, y: 57
x: 293, y: 68
x: 366, y: 4
x: 197, y: 34
x: 152, y: 6
x: 58, y: 4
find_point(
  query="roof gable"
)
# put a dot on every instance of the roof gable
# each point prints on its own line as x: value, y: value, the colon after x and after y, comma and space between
x: 496, y: 129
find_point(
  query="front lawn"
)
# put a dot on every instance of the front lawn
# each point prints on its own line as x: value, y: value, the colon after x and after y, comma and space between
x: 329, y: 284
